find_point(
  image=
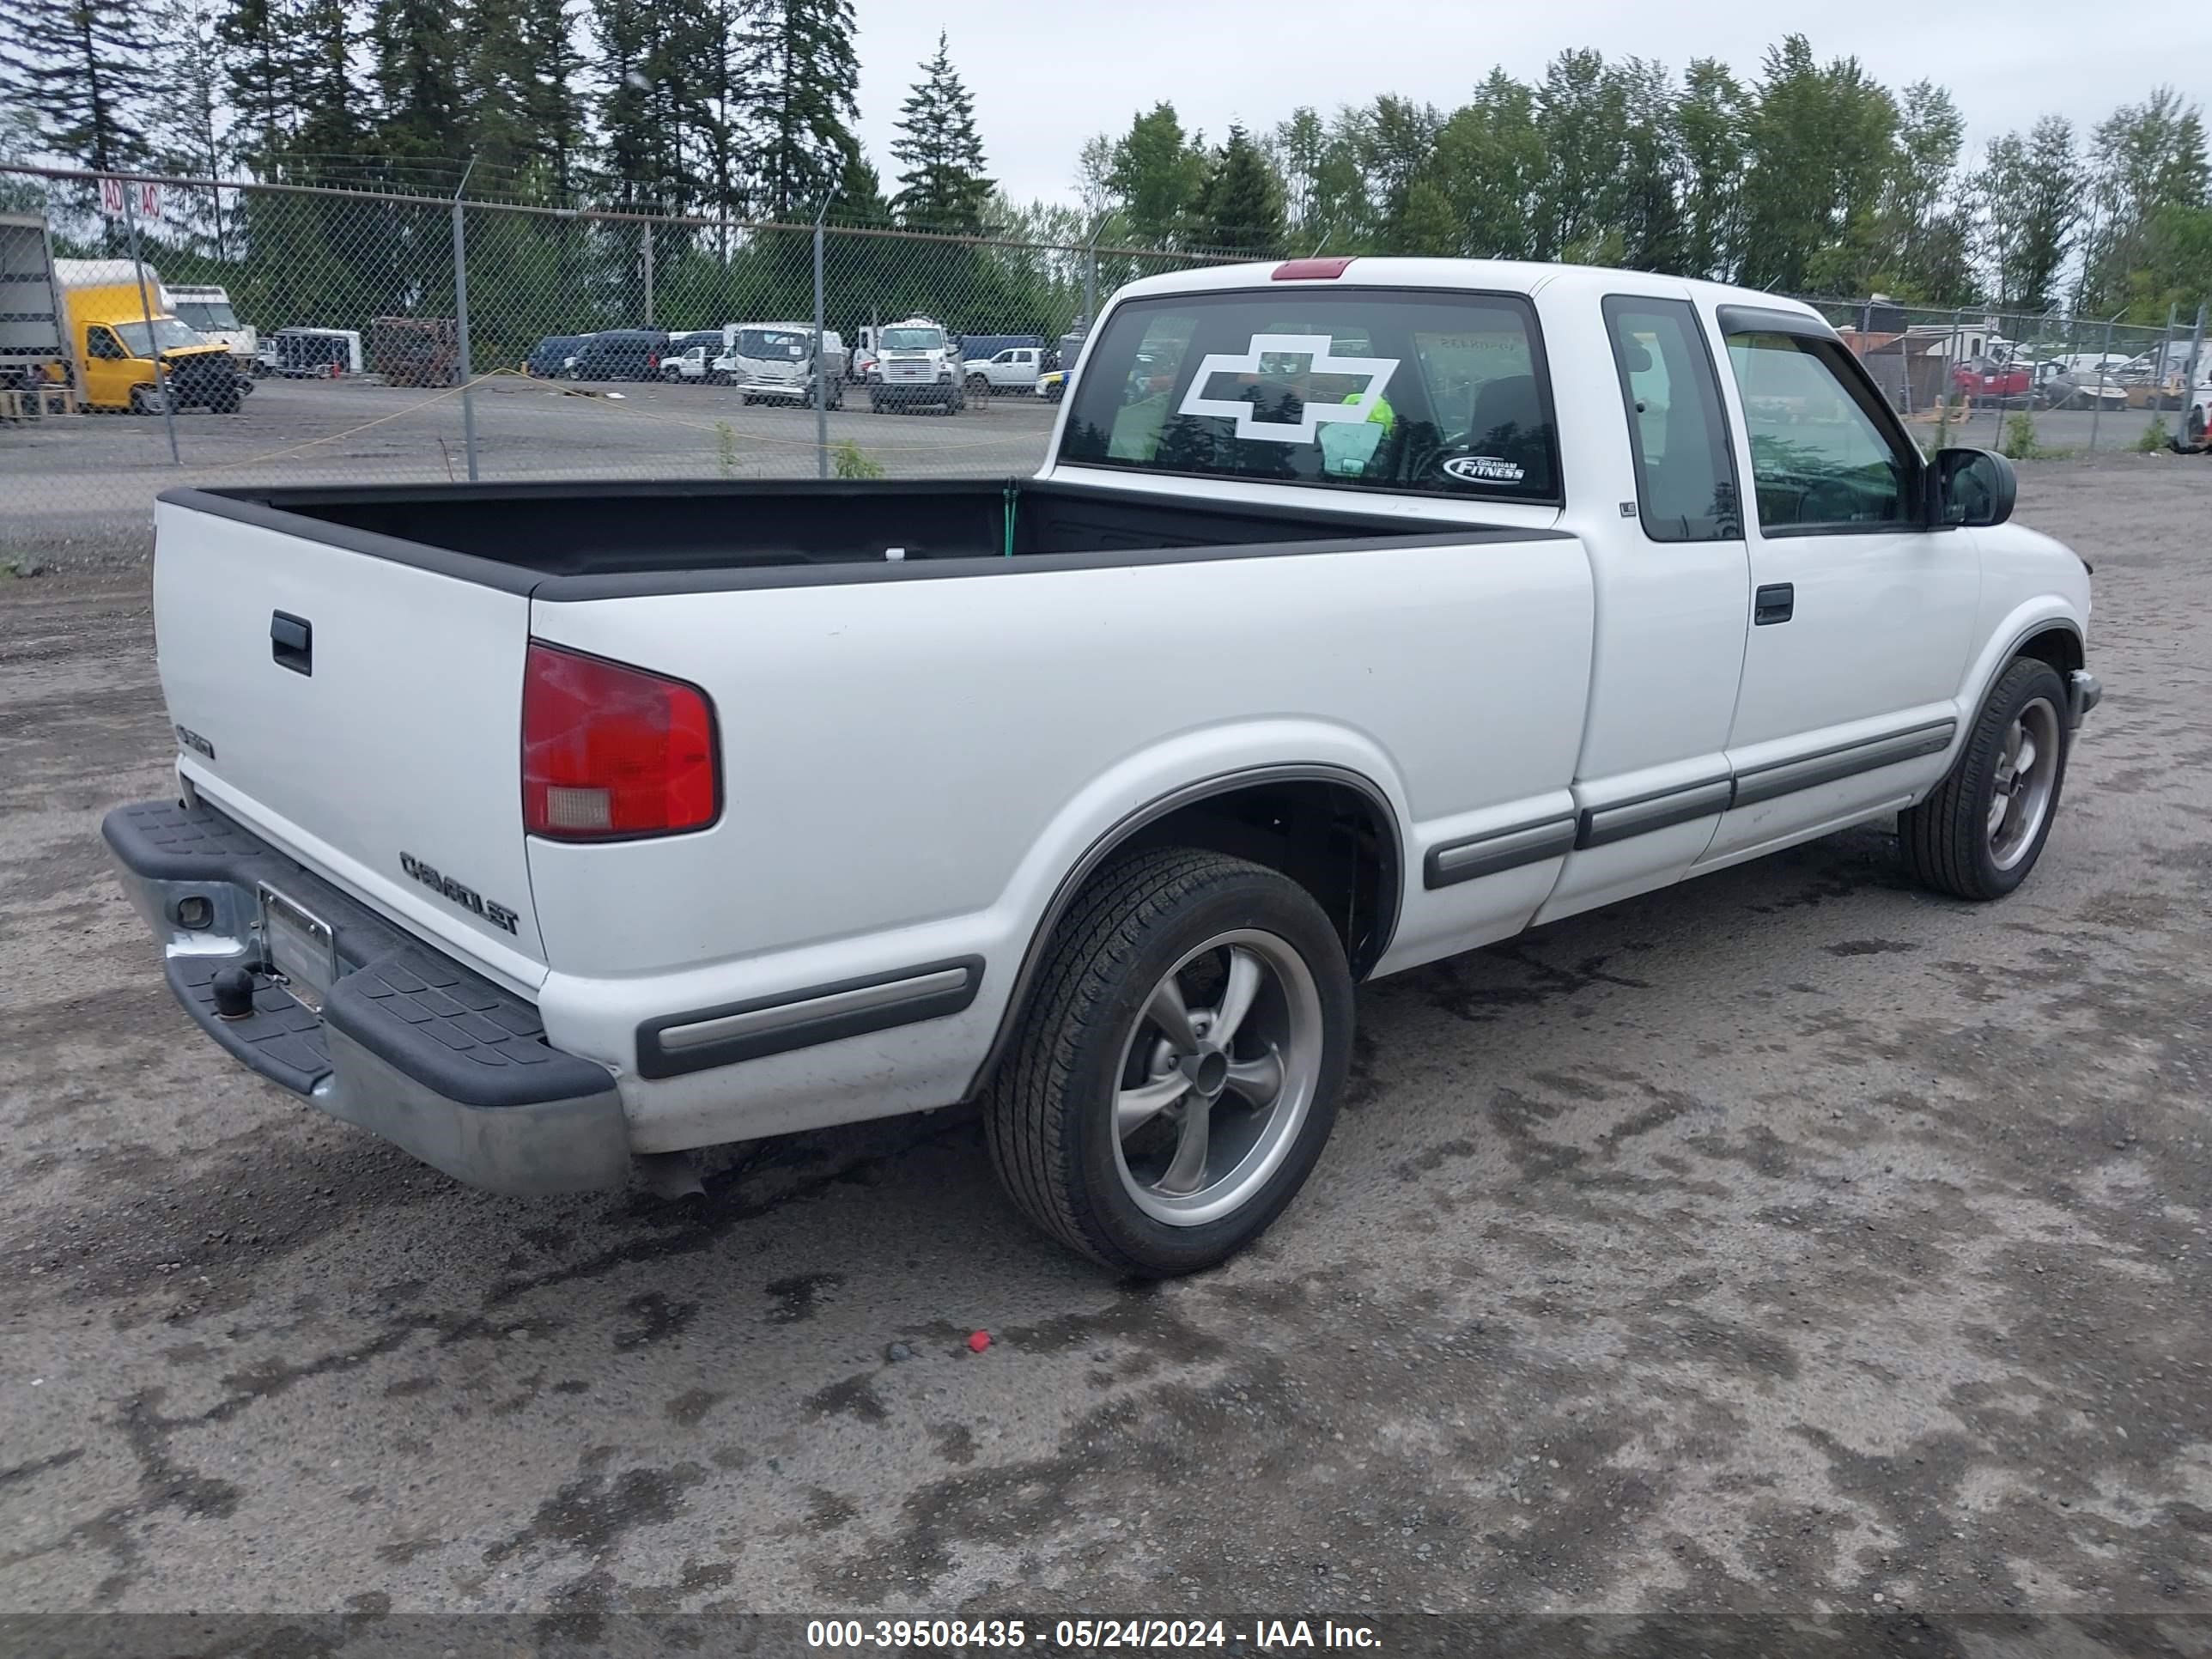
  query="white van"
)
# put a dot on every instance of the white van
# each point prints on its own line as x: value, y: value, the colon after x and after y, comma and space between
x: 207, y: 309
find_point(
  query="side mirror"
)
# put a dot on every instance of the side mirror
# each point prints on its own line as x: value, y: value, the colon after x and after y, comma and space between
x: 1971, y: 486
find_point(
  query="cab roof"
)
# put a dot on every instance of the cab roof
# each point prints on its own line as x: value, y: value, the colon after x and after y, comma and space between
x: 1490, y: 275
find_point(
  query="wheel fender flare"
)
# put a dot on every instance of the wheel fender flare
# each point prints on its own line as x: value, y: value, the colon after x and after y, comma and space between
x: 1145, y: 787
x: 2036, y: 615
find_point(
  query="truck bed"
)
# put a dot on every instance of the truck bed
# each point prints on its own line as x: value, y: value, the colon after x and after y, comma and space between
x: 588, y: 540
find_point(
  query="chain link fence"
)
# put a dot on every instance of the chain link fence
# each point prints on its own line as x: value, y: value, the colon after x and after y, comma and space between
x: 2033, y: 384
x: 367, y: 337
x: 360, y: 337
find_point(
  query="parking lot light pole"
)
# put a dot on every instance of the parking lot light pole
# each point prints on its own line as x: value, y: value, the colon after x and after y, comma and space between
x: 461, y: 318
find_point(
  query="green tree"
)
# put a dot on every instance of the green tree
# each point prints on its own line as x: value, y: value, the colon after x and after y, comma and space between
x: 1925, y: 231
x: 87, y: 67
x: 944, y: 186
x: 1295, y: 149
x: 2029, y: 192
x: 803, y: 75
x: 1157, y: 174
x: 1394, y: 139
x: 418, y: 72
x: 1711, y: 117
x: 1580, y: 109
x: 496, y: 74
x: 264, y: 43
x: 1240, y: 206
x: 2144, y: 159
x: 859, y: 200
x: 552, y: 95
x: 1821, y: 140
x: 641, y: 67
x: 186, y: 128
x: 1489, y: 164
x: 1646, y: 209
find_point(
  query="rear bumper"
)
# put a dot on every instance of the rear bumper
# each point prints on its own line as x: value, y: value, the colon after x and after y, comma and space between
x: 409, y: 1045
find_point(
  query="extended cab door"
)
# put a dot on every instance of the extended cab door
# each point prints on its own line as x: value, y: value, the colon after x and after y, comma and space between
x: 1862, y: 616
x: 1655, y: 482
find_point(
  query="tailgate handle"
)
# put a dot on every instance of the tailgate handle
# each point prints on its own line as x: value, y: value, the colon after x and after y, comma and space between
x: 292, y: 642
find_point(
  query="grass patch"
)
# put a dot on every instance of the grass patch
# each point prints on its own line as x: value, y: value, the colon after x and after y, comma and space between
x: 849, y: 460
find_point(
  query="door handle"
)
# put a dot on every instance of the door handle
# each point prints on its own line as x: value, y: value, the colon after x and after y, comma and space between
x: 292, y: 642
x: 1775, y: 603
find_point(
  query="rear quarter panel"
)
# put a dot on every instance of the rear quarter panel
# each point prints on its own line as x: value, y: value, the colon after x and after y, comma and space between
x: 911, y: 766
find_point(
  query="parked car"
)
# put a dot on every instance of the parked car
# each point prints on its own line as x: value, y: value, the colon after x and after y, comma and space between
x: 1052, y: 384
x: 550, y: 356
x: 693, y: 364
x: 1014, y: 370
x: 620, y: 354
x: 506, y: 826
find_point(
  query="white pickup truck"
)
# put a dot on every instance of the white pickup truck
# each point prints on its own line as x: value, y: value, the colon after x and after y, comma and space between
x: 1366, y: 612
x: 1014, y: 370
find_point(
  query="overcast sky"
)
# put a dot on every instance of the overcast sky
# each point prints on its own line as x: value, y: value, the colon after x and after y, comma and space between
x: 1047, y: 76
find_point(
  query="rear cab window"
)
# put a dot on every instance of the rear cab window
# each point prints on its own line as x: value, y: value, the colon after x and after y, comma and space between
x: 1407, y: 392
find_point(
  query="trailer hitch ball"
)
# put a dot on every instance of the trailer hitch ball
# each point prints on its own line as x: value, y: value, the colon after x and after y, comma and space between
x: 234, y: 991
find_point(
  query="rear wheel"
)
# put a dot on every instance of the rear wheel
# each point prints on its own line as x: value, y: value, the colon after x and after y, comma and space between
x: 1177, y: 1069
x: 1981, y: 831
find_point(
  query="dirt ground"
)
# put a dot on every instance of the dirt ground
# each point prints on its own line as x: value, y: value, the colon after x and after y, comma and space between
x: 1788, y: 1242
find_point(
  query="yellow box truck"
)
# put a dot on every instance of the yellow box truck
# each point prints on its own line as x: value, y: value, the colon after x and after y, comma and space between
x: 114, y: 343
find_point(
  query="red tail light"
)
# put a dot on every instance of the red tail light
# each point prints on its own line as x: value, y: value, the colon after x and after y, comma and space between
x: 611, y: 751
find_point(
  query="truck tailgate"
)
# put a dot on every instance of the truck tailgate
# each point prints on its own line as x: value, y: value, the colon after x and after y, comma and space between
x: 363, y: 713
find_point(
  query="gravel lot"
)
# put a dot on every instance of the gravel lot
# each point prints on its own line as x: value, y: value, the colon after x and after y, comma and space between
x: 1789, y: 1241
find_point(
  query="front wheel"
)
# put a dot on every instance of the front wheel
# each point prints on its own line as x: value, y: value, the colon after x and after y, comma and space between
x: 1982, y: 830
x: 1177, y: 1070
x: 145, y: 400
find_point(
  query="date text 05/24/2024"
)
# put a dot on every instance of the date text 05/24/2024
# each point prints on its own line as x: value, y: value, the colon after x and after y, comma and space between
x: 1089, y: 1635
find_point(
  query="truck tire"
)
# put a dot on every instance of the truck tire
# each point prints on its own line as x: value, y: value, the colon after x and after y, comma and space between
x: 1122, y: 1122
x: 1981, y: 830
